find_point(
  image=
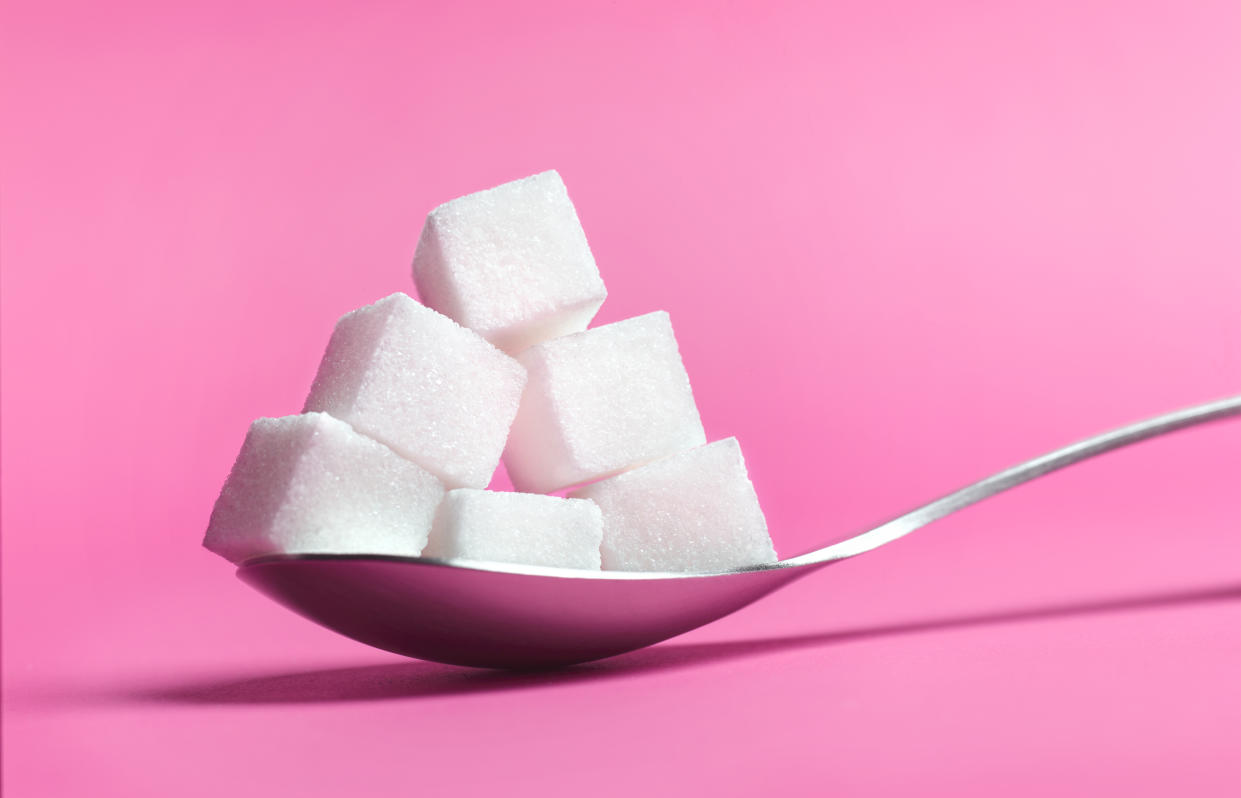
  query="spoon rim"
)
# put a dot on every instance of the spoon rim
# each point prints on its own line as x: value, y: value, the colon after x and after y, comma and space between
x: 517, y: 569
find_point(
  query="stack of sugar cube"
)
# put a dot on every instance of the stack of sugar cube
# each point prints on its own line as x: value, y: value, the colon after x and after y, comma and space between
x: 414, y: 405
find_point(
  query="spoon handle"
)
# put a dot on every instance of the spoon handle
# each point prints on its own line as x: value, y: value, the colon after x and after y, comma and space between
x: 1009, y: 478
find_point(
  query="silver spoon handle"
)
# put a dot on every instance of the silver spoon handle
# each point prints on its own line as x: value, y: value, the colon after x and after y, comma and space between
x: 1009, y: 478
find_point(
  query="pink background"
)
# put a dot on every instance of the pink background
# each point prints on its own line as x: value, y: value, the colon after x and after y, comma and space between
x: 903, y: 244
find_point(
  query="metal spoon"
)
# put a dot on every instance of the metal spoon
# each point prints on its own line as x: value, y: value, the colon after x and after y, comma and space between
x: 497, y: 615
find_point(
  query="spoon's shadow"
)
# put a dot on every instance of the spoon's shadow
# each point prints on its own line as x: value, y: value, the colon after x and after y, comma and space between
x: 415, y: 679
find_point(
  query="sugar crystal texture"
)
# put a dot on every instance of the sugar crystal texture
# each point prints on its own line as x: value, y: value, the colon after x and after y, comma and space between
x: 694, y: 511
x: 311, y: 484
x: 413, y: 379
x: 524, y: 528
x: 601, y: 401
x: 510, y: 262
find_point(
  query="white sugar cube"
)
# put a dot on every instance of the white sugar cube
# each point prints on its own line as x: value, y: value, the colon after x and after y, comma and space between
x: 694, y: 511
x: 311, y: 484
x: 417, y: 381
x: 517, y: 528
x: 511, y: 263
x: 601, y: 401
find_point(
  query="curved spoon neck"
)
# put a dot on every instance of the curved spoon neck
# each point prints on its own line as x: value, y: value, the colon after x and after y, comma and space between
x: 1012, y: 477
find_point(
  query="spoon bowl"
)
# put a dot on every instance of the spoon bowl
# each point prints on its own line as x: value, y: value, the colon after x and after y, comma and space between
x: 491, y: 615
x: 499, y: 615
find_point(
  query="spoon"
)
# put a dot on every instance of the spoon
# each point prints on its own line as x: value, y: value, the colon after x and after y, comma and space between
x: 499, y: 615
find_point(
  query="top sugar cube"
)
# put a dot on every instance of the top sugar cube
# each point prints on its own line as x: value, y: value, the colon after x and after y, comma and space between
x: 510, y: 263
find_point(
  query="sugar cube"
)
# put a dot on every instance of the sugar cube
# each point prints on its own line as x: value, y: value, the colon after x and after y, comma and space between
x: 310, y: 483
x: 693, y: 511
x: 517, y: 528
x: 601, y: 401
x: 510, y: 262
x: 413, y: 379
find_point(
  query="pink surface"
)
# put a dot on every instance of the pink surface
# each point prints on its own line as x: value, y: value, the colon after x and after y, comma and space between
x: 903, y: 245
